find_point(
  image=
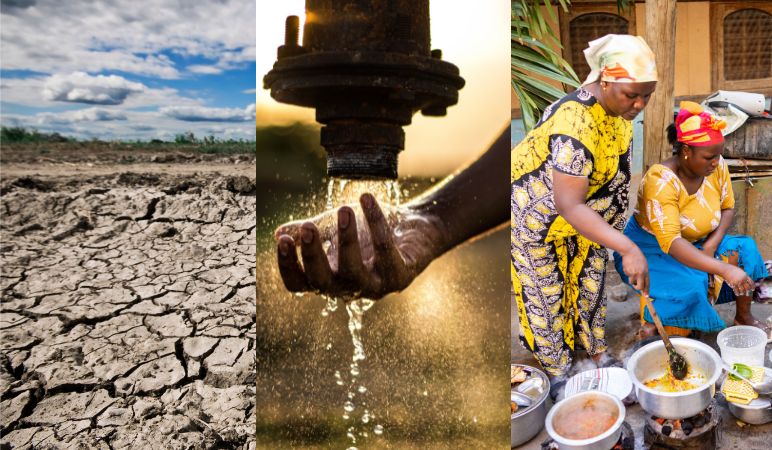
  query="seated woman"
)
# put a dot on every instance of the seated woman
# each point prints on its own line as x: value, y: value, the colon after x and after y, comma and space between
x: 685, y: 207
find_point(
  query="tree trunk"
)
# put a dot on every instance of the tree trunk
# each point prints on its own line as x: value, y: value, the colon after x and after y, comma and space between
x: 660, y: 35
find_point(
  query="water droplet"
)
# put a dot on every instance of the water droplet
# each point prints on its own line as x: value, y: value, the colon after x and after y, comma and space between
x: 299, y: 294
x: 355, y: 371
x: 328, y: 346
x: 362, y: 389
x: 378, y: 430
x: 474, y: 419
x: 348, y: 406
x: 345, y: 416
x: 426, y: 393
x: 366, y: 417
x: 325, y: 313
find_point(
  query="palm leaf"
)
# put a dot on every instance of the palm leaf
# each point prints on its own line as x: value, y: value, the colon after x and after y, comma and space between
x: 533, y: 56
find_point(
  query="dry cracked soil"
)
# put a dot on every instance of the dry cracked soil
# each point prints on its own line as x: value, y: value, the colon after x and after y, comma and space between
x: 128, y: 301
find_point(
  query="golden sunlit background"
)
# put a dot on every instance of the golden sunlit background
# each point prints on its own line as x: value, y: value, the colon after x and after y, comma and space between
x: 472, y: 35
x: 435, y: 375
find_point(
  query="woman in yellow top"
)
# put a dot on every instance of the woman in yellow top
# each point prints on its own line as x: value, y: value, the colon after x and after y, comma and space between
x: 570, y: 180
x: 685, y: 207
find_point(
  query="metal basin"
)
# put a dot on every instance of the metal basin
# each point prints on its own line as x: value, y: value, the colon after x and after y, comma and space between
x: 571, y: 406
x: 651, y: 361
x: 528, y: 421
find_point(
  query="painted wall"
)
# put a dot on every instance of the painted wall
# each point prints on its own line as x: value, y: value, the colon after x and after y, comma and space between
x: 692, y: 49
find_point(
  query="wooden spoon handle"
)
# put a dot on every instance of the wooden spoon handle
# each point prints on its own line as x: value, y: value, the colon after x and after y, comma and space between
x: 658, y: 323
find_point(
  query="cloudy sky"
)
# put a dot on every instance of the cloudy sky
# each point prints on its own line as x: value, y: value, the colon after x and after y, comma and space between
x: 472, y: 35
x: 137, y: 69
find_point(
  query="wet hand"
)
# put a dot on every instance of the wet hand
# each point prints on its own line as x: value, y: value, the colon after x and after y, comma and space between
x: 636, y: 268
x: 381, y: 254
x: 739, y: 281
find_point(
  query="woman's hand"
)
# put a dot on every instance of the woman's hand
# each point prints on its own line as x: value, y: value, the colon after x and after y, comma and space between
x: 738, y: 280
x: 636, y: 268
x: 372, y: 258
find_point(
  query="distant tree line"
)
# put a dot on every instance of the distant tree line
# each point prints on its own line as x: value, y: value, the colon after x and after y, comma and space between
x: 19, y: 134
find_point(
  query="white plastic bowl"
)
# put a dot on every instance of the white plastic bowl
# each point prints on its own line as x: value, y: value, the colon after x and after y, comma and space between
x: 742, y: 344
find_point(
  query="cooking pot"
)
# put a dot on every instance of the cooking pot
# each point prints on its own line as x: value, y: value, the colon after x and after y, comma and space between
x: 528, y: 421
x: 604, y: 440
x: 651, y: 361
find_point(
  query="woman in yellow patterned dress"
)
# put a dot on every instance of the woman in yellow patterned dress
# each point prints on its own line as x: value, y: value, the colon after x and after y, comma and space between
x: 685, y: 207
x: 570, y: 180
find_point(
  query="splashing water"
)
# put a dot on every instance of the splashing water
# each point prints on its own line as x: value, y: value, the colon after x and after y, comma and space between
x: 341, y: 192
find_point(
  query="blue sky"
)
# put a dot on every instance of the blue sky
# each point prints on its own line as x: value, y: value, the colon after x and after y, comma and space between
x: 129, y: 70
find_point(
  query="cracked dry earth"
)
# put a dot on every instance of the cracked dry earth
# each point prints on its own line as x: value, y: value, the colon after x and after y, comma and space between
x: 128, y: 311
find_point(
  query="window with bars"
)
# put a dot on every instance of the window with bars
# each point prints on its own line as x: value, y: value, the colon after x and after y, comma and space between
x: 588, y: 27
x: 747, y: 45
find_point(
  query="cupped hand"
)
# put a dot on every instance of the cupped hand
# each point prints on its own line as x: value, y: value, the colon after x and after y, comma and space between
x: 739, y: 281
x: 636, y: 268
x: 371, y: 258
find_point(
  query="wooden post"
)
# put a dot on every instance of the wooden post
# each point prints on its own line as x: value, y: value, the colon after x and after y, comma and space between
x: 660, y: 35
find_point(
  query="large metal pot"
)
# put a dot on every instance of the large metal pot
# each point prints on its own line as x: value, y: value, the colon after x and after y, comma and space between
x: 528, y: 422
x: 603, y: 441
x: 651, y: 361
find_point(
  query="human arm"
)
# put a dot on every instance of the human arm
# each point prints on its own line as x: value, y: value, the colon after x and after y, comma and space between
x: 570, y: 195
x: 687, y: 254
x: 391, y: 246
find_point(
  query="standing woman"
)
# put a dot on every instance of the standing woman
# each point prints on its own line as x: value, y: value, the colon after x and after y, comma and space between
x: 570, y: 179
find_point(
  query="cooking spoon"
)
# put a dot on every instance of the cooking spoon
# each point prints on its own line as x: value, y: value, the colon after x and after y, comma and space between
x: 678, y: 365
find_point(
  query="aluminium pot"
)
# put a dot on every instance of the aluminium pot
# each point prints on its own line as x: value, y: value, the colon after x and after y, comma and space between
x: 528, y: 422
x: 651, y: 361
x: 603, y: 441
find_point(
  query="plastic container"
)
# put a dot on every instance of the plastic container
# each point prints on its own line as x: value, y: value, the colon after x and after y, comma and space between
x: 742, y: 344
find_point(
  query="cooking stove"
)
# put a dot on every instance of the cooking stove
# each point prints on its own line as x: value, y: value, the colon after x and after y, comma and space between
x: 626, y: 440
x: 699, y: 432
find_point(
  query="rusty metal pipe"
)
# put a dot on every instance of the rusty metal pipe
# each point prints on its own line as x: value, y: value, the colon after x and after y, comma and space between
x: 366, y: 67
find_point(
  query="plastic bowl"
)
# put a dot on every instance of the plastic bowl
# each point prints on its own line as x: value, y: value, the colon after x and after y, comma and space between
x: 742, y: 344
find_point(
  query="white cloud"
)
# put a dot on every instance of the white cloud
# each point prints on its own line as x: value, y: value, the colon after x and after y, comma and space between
x: 82, y: 115
x: 204, y: 114
x: 51, y: 36
x: 207, y: 70
x: 29, y: 92
x: 80, y: 87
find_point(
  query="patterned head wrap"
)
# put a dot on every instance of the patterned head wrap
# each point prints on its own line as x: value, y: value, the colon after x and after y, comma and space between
x: 696, y: 127
x: 620, y: 58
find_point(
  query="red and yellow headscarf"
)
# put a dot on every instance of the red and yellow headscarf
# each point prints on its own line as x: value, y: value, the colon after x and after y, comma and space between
x: 696, y: 127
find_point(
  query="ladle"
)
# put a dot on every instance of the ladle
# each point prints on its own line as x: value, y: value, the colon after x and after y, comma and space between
x: 678, y: 365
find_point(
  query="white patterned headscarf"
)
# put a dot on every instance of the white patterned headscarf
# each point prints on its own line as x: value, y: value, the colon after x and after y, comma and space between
x: 620, y: 58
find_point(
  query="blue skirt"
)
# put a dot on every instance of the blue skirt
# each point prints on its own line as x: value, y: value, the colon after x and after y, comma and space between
x: 680, y: 293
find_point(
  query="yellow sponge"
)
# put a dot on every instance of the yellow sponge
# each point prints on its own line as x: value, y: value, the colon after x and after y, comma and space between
x: 740, y: 391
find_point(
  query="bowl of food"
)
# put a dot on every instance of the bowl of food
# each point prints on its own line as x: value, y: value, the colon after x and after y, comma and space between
x: 659, y: 393
x: 530, y: 388
x: 589, y: 420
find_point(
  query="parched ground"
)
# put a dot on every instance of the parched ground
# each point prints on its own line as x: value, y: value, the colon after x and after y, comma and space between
x: 128, y: 300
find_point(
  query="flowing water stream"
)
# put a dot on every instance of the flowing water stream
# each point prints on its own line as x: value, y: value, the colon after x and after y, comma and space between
x: 355, y: 409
